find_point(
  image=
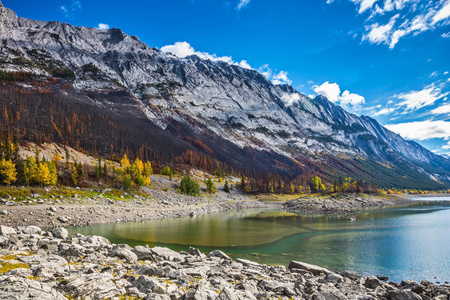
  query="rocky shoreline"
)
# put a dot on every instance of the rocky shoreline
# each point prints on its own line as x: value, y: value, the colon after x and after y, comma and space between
x: 82, y: 211
x: 51, y: 265
x: 341, y: 204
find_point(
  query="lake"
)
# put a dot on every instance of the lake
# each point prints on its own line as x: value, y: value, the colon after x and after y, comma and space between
x: 402, y: 243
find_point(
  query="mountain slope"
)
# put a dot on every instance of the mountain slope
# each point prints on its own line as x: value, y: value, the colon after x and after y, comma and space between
x: 226, y: 112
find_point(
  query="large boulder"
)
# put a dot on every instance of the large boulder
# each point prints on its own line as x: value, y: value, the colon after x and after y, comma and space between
x: 167, y: 254
x: 60, y: 233
x: 218, y: 253
x: 143, y: 253
x: 124, y: 253
x: 93, y: 286
x: 20, y: 288
x: 316, y: 270
x: 5, y: 230
x: 403, y: 295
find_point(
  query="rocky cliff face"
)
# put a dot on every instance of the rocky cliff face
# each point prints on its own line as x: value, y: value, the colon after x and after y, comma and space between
x: 209, y: 98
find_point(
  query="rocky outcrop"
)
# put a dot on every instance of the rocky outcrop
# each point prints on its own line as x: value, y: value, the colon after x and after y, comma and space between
x: 83, y: 267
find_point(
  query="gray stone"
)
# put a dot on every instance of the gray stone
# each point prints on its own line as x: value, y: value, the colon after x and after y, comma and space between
x: 248, y: 263
x: 60, y: 233
x: 20, y: 288
x: 4, y: 212
x: 93, y: 286
x: 372, y: 282
x: 143, y: 253
x: 403, y: 295
x: 5, y: 230
x: 63, y: 219
x: 333, y: 277
x: 124, y: 254
x: 167, y: 254
x: 218, y: 253
x: 226, y: 294
x: 316, y: 270
x: 32, y: 230
x: 147, y: 284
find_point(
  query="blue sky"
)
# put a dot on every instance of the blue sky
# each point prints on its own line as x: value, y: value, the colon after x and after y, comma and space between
x: 388, y: 59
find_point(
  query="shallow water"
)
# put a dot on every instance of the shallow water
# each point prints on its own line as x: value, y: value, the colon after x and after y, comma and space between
x: 402, y: 243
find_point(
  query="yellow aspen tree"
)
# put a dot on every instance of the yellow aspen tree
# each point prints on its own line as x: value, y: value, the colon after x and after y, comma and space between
x: 8, y: 171
x: 125, y: 162
x: 43, y: 174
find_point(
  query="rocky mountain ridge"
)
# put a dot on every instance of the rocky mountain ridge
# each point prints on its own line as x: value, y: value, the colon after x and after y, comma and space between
x: 209, y: 101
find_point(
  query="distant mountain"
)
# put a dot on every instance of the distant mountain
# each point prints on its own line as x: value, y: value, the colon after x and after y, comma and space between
x: 190, y: 109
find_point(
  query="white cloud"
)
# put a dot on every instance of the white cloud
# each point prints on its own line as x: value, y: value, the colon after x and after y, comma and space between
x: 417, y: 99
x: 290, y: 99
x: 351, y: 99
x: 330, y: 90
x: 435, y: 73
x: 242, y: 4
x: 276, y: 78
x: 281, y: 78
x: 446, y: 35
x: 422, y: 130
x: 183, y: 49
x: 441, y: 110
x: 446, y: 72
x: 364, y: 4
x: 333, y: 92
x: 384, y: 111
x: 64, y: 9
x: 382, y: 33
x: 103, y: 26
x: 406, y: 17
x: 442, y: 14
x: 396, y: 37
x: 446, y: 146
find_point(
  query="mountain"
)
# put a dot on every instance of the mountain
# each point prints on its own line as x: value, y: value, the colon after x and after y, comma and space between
x: 138, y: 99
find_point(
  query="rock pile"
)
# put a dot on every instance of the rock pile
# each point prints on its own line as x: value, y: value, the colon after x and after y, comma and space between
x: 51, y: 265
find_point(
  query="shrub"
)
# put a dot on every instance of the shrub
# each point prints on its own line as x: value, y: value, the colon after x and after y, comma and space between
x: 189, y: 186
x: 210, y: 187
x: 166, y: 171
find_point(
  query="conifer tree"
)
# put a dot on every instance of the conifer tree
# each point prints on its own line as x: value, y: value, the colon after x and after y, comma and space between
x: 226, y: 188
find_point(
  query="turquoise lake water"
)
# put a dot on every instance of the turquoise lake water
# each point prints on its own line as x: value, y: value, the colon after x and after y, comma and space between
x: 401, y: 243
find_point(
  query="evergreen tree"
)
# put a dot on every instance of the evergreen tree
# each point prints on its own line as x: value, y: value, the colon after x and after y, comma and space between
x: 36, y: 156
x: 189, y: 187
x: 226, y: 188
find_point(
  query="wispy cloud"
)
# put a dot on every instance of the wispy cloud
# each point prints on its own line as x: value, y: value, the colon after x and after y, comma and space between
x: 405, y: 17
x: 242, y: 3
x: 333, y: 92
x: 422, y: 130
x: 441, y: 110
x: 69, y: 8
x: 183, y: 49
x: 277, y: 78
x: 417, y: 99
